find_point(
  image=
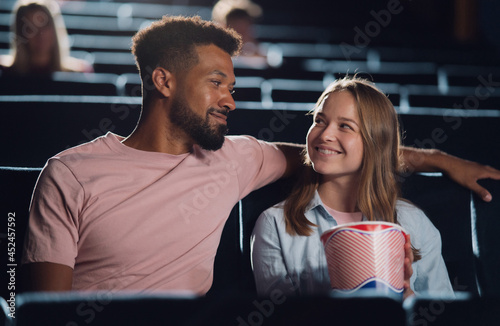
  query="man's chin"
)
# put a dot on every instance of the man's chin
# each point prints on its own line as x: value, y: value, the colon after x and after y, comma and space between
x: 211, y: 147
x: 212, y: 144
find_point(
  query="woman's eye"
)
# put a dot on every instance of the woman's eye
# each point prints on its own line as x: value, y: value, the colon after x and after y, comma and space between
x: 345, y: 126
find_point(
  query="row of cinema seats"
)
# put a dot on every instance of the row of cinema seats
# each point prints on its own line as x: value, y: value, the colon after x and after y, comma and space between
x: 98, y: 33
x: 33, y: 128
x: 124, y: 19
x: 103, y: 308
x: 297, y: 68
x: 100, y: 19
x: 483, y: 96
x: 468, y: 228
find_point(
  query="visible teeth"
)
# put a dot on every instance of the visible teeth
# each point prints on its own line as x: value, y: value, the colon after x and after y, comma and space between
x: 326, y: 151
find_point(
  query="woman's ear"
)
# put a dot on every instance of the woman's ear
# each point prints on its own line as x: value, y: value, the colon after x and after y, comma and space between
x: 163, y: 81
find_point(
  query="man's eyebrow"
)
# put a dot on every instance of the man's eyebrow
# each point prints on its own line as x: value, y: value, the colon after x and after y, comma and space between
x: 218, y: 72
x: 223, y: 75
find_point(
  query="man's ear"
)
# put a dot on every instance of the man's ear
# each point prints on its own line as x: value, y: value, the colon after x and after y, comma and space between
x: 163, y: 81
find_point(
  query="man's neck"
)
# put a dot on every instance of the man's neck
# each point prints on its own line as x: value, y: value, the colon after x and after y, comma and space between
x: 156, y: 133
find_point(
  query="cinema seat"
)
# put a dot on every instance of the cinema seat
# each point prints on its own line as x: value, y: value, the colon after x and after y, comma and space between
x: 33, y: 129
x: 486, y: 228
x: 16, y: 187
x: 5, y: 319
x: 447, y: 205
x: 61, y: 83
x: 462, y: 310
x: 104, y: 308
x: 282, y: 310
x: 251, y: 207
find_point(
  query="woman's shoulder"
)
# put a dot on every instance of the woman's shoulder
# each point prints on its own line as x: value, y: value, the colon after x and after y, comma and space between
x: 5, y: 63
x: 6, y: 60
x: 273, y: 215
x: 414, y: 219
x: 405, y: 207
x: 77, y: 65
x: 270, y: 221
x: 275, y: 212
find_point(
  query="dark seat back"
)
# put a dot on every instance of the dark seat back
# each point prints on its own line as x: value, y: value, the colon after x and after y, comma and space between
x: 463, y: 310
x: 16, y: 188
x: 227, y: 270
x: 447, y: 205
x: 5, y: 319
x: 61, y: 83
x: 486, y: 227
x: 251, y: 207
x: 103, y: 308
x: 106, y: 308
x: 31, y: 131
x: 279, y: 310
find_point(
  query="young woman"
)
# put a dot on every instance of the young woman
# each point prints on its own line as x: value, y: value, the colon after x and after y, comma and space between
x: 40, y: 44
x: 352, y: 162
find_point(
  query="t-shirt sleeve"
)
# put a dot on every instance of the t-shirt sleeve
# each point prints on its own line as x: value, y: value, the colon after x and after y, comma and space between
x: 52, y: 234
x: 259, y: 162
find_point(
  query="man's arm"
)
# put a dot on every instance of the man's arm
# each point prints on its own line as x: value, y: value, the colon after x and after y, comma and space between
x: 294, y: 157
x: 463, y: 172
x: 52, y: 233
x: 47, y: 277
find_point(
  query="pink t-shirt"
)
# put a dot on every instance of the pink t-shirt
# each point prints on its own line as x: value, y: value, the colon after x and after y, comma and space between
x: 344, y: 217
x: 126, y: 219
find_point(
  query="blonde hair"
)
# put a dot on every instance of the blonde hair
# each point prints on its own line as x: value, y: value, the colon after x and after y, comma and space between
x: 49, y: 14
x: 379, y: 188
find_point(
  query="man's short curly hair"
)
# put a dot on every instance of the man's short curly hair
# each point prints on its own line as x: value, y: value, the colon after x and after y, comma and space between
x: 171, y: 41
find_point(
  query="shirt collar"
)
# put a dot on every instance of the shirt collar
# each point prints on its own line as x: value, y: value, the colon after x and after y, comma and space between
x: 316, y: 205
x: 315, y: 202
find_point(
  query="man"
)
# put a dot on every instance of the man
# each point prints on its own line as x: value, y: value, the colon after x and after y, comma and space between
x: 146, y: 212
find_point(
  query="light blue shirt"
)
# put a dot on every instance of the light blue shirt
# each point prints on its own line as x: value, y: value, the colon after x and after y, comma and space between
x: 297, y: 264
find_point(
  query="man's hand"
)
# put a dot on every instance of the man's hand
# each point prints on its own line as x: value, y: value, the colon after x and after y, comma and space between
x: 465, y: 173
x: 408, y: 268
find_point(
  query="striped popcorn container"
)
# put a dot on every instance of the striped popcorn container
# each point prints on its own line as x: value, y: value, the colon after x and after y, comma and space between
x: 366, y: 255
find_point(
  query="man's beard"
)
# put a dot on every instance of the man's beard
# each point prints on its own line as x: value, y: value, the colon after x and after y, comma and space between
x: 200, y: 130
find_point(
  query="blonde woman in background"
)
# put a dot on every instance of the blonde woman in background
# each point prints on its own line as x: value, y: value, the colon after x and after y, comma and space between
x: 39, y: 44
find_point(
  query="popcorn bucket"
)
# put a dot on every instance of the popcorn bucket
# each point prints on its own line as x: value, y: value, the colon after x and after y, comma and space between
x: 366, y: 255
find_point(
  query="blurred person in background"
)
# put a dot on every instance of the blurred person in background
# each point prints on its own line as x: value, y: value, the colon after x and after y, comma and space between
x: 240, y: 15
x: 39, y: 44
